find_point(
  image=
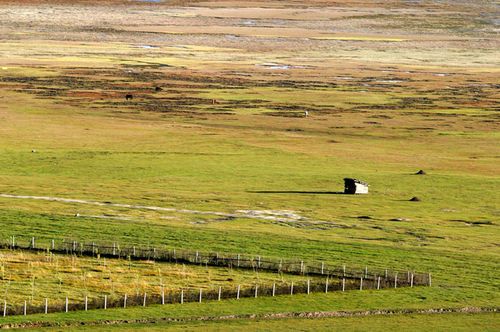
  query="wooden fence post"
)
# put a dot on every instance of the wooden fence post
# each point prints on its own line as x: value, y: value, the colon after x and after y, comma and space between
x: 105, y: 302
x: 274, y: 288
x: 53, y: 244
x: 5, y: 308
x: 430, y: 280
x: 396, y: 280
x: 238, y: 293
x: 86, y: 302
x: 66, y: 305
x: 343, y: 284
x: 162, y: 296
x: 308, y: 285
x: 125, y: 301
x: 326, y: 285
x: 182, y: 296
x: 361, y: 284
x: 220, y: 293
x: 201, y: 292
x: 291, y: 289
x: 378, y: 283
x: 24, y: 310
x: 411, y: 280
x: 145, y: 299
x: 46, y: 305
x: 258, y: 262
x: 322, y: 267
x: 256, y: 288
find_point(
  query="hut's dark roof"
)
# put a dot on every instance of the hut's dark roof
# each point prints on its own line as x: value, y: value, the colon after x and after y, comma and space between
x: 356, y: 181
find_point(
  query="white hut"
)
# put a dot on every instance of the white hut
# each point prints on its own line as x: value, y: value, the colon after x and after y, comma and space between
x: 355, y: 186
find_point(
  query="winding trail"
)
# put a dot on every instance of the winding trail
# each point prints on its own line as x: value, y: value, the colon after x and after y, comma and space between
x: 271, y: 215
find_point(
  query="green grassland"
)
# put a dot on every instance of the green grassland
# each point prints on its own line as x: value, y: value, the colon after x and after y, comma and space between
x: 258, y: 315
x: 228, y: 136
x: 451, y: 233
x: 461, y: 322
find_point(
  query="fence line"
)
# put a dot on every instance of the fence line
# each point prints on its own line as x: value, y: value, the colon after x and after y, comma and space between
x: 196, y: 295
x: 237, y: 261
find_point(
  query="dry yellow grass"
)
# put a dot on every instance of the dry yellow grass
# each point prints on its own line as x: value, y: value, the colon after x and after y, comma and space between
x: 32, y: 277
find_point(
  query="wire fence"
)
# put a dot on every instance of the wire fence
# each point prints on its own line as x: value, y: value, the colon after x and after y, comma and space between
x: 200, y: 295
x: 237, y: 261
x: 327, y: 278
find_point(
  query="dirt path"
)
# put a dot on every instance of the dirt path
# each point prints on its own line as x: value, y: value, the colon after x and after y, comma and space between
x: 271, y: 215
x: 283, y: 315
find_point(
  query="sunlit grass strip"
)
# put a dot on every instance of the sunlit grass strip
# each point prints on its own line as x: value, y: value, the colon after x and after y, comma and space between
x: 34, y: 276
x: 239, y: 261
x: 192, y: 295
x: 136, y: 269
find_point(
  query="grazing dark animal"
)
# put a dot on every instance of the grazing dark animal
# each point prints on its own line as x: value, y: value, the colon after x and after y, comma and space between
x: 158, y: 89
x: 421, y: 172
x: 129, y: 97
x: 415, y: 199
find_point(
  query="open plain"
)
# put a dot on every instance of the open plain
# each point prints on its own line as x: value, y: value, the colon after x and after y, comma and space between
x: 242, y: 120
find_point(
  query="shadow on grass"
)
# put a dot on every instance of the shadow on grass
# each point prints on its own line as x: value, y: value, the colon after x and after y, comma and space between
x: 297, y: 192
